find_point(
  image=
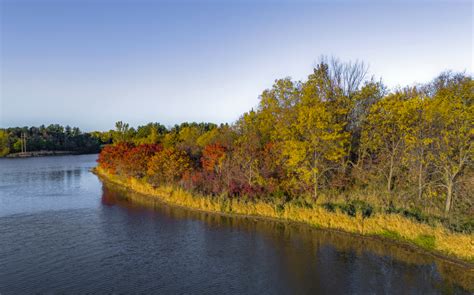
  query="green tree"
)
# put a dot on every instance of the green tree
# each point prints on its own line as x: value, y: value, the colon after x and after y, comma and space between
x: 4, y: 145
x: 123, y: 132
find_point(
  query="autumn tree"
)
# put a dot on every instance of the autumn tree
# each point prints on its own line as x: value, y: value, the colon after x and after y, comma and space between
x: 452, y: 114
x: 213, y: 157
x: 223, y: 135
x: 112, y: 157
x: 337, y: 131
x: 136, y: 159
x: 168, y: 166
x: 316, y: 140
x: 418, y: 142
x: 276, y: 110
x: 246, y: 152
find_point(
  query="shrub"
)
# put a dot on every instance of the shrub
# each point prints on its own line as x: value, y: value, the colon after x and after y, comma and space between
x: 301, y: 202
x: 280, y: 199
x: 348, y: 209
x: 329, y: 207
x: 465, y: 226
x: 363, y: 207
x: 136, y: 159
x: 112, y: 157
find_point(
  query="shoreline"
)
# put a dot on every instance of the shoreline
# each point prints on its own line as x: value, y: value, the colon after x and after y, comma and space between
x: 357, y: 226
x: 36, y: 154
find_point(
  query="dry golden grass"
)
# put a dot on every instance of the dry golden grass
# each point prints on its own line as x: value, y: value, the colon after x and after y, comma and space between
x: 388, y: 225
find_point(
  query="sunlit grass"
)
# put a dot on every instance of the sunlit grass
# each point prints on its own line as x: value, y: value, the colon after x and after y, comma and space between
x: 425, y: 241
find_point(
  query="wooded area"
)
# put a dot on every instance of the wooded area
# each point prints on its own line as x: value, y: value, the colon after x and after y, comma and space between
x: 51, y: 138
x: 339, y: 140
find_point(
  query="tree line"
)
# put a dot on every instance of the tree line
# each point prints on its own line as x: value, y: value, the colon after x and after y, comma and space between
x: 335, y: 137
x: 48, y: 138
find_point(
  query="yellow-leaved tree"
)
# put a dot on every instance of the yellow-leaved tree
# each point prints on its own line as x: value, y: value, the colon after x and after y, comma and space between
x: 385, y: 133
x: 418, y: 141
x: 316, y: 141
x: 452, y: 114
x: 168, y: 166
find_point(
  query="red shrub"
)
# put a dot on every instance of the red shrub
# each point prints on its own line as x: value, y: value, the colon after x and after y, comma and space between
x: 136, y: 159
x: 112, y: 157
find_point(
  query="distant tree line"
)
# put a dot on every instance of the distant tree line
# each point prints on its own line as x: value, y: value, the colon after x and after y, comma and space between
x: 48, y: 138
x: 336, y: 137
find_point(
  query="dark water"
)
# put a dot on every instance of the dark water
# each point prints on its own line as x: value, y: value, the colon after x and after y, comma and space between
x: 63, y: 231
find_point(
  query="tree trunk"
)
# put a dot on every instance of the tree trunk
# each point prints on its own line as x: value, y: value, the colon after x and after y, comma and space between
x: 315, y: 192
x: 249, y: 180
x: 420, y: 181
x: 390, y: 174
x: 315, y: 176
x: 449, y: 196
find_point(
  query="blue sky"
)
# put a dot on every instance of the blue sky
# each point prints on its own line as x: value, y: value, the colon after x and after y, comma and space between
x: 91, y: 63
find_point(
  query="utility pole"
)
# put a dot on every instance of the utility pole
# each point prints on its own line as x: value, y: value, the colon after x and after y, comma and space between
x: 23, y: 142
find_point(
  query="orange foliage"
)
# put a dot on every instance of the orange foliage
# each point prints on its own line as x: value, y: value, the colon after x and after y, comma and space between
x: 212, y: 157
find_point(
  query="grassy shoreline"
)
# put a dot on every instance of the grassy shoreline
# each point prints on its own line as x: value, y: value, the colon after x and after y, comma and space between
x: 435, y: 239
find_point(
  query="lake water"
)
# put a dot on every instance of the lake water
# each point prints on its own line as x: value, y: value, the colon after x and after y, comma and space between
x: 63, y: 231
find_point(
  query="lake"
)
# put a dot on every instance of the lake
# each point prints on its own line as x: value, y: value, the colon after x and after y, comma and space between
x: 64, y: 231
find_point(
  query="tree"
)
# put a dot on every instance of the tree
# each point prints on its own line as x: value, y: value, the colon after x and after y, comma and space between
x: 187, y: 140
x: 336, y: 131
x: 362, y: 101
x: 276, y: 110
x: 213, y: 157
x: 112, y: 157
x: 122, y: 132
x: 4, y: 146
x: 136, y: 159
x: 385, y: 133
x: 347, y: 76
x: 150, y: 133
x: 168, y: 166
x: 452, y: 115
x: 418, y: 140
x: 316, y: 141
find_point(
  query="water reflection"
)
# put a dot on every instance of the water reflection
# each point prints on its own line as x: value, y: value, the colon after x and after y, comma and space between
x: 37, y: 184
x: 318, y: 260
x: 62, y: 231
x: 34, y: 172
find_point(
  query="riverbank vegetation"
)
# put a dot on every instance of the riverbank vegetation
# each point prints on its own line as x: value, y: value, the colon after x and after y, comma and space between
x: 52, y: 139
x: 339, y: 147
x: 392, y: 226
x: 455, y: 273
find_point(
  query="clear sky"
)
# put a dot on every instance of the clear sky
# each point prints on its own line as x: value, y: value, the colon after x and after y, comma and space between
x: 91, y: 63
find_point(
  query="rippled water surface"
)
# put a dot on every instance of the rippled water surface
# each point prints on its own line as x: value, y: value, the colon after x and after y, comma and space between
x: 63, y: 231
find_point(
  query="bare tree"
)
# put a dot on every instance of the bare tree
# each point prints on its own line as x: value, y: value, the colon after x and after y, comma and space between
x: 347, y: 76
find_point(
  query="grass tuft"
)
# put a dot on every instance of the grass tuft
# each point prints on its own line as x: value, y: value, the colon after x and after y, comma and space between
x: 391, y: 234
x: 425, y: 241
